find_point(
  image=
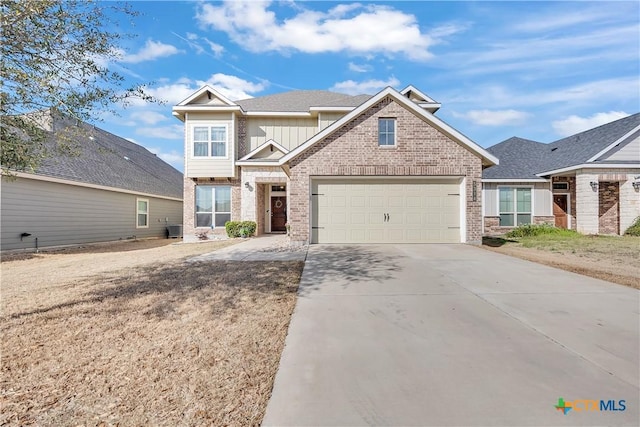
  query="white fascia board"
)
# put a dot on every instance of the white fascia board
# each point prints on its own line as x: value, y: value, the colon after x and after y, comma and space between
x: 413, y: 89
x: 278, y: 113
x: 262, y: 147
x: 210, y: 108
x: 274, y: 164
x: 178, y: 116
x: 203, y: 89
x: 329, y: 109
x: 46, y: 178
x: 592, y: 166
x: 401, y: 99
x: 612, y: 145
x: 515, y: 180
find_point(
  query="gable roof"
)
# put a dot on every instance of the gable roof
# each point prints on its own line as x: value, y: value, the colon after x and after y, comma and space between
x: 526, y: 159
x: 519, y: 158
x: 300, y: 101
x: 487, y: 157
x: 104, y: 159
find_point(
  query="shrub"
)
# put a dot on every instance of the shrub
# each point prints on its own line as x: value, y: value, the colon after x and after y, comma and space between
x: 528, y: 230
x: 240, y: 228
x: 634, y: 230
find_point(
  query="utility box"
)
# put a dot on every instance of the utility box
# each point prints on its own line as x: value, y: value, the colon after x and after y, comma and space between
x: 174, y: 231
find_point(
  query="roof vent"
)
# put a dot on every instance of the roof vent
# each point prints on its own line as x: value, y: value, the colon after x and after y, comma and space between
x: 91, y: 138
x: 554, y: 148
x: 126, y: 158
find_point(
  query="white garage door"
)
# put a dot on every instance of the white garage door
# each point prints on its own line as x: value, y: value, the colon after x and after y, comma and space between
x: 385, y: 211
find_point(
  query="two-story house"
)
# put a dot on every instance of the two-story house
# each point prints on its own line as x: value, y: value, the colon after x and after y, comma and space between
x: 331, y: 168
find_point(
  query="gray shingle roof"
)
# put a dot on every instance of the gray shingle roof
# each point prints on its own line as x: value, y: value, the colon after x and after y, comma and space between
x: 301, y: 101
x: 519, y: 158
x: 102, y: 158
x: 523, y: 159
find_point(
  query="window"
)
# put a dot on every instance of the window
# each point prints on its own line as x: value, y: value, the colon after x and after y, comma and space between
x: 515, y: 206
x: 386, y: 132
x: 213, y: 206
x: 142, y: 213
x: 210, y: 141
x: 560, y: 185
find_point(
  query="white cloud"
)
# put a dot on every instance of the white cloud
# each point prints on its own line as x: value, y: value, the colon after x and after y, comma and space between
x: 354, y: 28
x: 173, y: 157
x: 494, y: 117
x: 359, y: 68
x: 147, y: 117
x: 372, y: 86
x: 215, y: 47
x: 150, y: 51
x: 162, y: 132
x: 575, y: 124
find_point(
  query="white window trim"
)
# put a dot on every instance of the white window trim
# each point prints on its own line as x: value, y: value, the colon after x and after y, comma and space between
x: 515, y: 219
x: 213, y: 207
x: 209, y: 125
x: 395, y: 132
x: 139, y: 199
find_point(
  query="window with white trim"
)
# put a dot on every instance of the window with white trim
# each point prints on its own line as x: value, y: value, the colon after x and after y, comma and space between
x: 515, y: 206
x: 210, y: 141
x: 142, y: 213
x: 386, y: 132
x: 213, y: 205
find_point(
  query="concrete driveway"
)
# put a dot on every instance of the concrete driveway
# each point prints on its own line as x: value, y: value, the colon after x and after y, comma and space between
x: 453, y: 335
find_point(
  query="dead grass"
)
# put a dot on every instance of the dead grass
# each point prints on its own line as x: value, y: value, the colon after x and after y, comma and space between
x: 612, y: 258
x: 155, y: 344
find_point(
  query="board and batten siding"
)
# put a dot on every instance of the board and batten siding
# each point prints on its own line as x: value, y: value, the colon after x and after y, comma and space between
x: 203, y: 167
x: 541, y: 197
x: 60, y: 214
x: 288, y: 132
x: 327, y: 119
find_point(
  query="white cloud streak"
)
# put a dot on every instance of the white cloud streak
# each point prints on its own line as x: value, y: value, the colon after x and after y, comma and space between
x: 575, y: 124
x: 152, y: 50
x: 351, y: 87
x: 353, y: 28
x: 494, y: 117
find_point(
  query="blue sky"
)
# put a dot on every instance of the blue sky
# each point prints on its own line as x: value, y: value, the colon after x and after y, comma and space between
x: 538, y: 70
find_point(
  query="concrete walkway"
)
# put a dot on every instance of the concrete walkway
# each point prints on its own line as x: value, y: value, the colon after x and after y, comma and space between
x: 268, y: 247
x: 453, y: 335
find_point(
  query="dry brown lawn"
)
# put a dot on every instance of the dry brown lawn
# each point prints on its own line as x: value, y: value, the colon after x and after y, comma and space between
x: 612, y: 258
x: 139, y: 337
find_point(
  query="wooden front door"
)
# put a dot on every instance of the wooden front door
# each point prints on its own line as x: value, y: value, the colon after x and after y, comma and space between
x: 560, y: 210
x: 278, y: 213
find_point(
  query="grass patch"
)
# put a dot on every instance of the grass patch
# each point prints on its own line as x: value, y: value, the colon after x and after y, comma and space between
x: 177, y: 344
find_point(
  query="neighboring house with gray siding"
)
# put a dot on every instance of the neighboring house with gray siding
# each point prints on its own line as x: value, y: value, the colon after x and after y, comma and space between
x: 331, y: 168
x: 108, y: 189
x: 589, y: 182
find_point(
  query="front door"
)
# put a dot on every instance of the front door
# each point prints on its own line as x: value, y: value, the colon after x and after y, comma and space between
x: 278, y: 213
x: 560, y: 210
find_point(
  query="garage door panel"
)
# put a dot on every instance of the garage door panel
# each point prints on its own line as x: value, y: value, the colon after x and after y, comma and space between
x: 416, y: 212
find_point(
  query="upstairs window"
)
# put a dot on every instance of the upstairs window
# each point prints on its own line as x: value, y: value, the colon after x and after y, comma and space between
x: 210, y: 141
x: 386, y: 132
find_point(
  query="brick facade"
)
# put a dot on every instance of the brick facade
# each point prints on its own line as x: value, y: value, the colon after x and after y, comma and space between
x: 189, y: 217
x: 353, y: 150
x: 609, y: 208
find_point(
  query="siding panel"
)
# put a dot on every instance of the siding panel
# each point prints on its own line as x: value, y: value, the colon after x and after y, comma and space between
x: 628, y: 152
x: 59, y: 214
x: 287, y: 132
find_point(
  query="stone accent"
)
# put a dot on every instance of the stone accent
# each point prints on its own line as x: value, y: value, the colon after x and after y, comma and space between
x: 353, y: 150
x: 254, y: 196
x: 608, y: 212
x: 189, y: 218
x: 492, y: 224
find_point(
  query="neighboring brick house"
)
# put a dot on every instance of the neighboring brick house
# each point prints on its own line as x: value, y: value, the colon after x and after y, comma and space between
x: 589, y: 182
x: 331, y: 168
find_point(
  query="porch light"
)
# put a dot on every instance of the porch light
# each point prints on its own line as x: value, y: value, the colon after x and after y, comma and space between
x: 636, y: 183
x: 247, y: 185
x: 594, y: 185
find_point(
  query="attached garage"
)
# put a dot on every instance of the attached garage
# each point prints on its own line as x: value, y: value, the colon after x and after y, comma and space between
x: 386, y: 210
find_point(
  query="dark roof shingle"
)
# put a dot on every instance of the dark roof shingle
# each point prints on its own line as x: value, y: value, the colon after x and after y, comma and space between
x: 301, y: 101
